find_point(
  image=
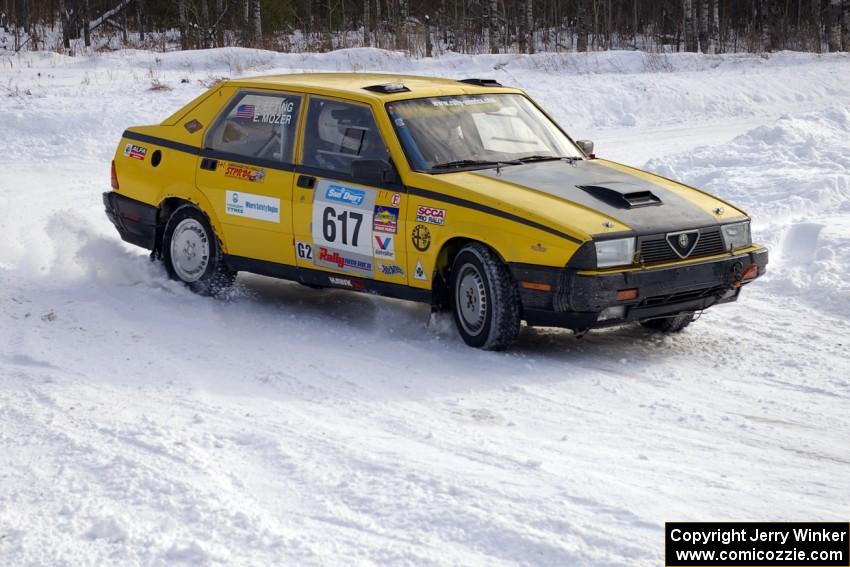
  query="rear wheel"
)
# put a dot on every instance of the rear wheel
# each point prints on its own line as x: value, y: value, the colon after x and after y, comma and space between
x: 485, y: 301
x: 672, y: 324
x: 192, y: 253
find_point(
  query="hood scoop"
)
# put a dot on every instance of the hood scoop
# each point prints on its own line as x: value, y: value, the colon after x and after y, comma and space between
x: 623, y: 197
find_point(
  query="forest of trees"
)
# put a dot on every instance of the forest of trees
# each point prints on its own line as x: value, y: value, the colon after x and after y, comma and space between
x: 425, y: 27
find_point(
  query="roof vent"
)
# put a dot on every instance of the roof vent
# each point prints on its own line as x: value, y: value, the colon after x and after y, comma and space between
x: 482, y: 82
x: 388, y: 88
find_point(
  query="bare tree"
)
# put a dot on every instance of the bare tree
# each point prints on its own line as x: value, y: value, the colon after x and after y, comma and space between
x: 257, y: 22
x: 714, y: 27
x: 834, y: 25
x: 367, y: 22
x: 183, y: 23
x: 492, y: 27
x: 816, y: 25
x: 529, y: 25
x: 581, y: 26
x: 845, y: 26
x: 688, y: 24
x: 703, y: 25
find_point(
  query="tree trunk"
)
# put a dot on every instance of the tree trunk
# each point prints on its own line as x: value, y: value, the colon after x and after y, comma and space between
x: 529, y: 25
x: 65, y: 14
x: 703, y: 25
x: 816, y: 26
x: 205, y: 24
x: 86, y: 17
x: 688, y: 23
x: 257, y: 23
x: 492, y: 32
x: 581, y: 26
x: 834, y: 25
x: 25, y: 16
x: 635, y: 23
x: 595, y: 38
x: 219, y: 29
x: 140, y: 17
x: 714, y: 27
x: 428, y: 47
x: 367, y: 23
x: 845, y: 26
x: 181, y: 19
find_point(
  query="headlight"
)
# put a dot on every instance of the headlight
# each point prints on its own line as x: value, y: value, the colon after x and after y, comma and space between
x: 736, y: 235
x: 615, y: 252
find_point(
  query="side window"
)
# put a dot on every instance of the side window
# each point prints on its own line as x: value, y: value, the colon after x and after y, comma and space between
x: 258, y: 126
x: 337, y: 133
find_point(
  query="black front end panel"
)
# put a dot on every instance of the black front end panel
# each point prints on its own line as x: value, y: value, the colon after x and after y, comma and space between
x: 577, y: 299
x: 136, y: 221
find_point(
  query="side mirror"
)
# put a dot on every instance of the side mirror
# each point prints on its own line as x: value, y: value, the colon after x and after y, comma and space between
x: 586, y: 146
x: 374, y: 172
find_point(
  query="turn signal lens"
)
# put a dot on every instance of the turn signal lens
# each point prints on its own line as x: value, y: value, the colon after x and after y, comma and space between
x: 751, y: 272
x: 535, y: 286
x: 114, y: 177
x: 626, y: 294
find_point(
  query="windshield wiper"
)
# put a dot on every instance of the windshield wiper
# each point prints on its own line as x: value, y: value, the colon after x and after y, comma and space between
x: 472, y: 162
x: 529, y: 159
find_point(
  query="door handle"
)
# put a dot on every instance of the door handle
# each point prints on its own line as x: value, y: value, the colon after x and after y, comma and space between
x: 306, y: 181
x: 209, y: 164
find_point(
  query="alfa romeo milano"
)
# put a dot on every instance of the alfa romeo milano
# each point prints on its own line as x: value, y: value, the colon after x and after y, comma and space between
x: 462, y: 194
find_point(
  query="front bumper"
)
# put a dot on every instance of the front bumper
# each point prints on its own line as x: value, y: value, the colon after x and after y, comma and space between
x: 581, y: 300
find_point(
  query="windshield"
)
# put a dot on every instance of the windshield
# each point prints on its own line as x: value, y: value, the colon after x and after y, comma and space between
x: 474, y: 131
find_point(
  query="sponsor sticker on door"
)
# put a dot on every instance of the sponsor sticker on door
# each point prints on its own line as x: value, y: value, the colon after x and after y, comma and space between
x: 430, y: 215
x: 384, y: 246
x: 252, y: 206
x: 385, y: 219
x: 244, y: 172
x: 342, y: 224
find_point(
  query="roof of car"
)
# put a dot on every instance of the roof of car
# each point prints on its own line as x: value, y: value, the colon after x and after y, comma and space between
x: 353, y: 85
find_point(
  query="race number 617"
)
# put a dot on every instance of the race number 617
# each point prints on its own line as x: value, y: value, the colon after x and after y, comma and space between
x: 330, y: 221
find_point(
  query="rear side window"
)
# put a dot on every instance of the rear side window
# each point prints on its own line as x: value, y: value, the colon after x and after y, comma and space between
x: 255, y: 125
x: 337, y: 133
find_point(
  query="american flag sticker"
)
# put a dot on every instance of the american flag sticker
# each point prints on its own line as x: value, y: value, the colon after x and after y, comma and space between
x: 245, y: 111
x: 135, y: 152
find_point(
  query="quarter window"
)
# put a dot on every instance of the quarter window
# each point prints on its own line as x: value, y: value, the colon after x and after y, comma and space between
x: 261, y: 126
x: 337, y: 133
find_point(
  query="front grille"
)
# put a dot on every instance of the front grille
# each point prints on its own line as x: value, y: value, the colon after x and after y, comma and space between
x: 655, y: 248
x: 682, y: 296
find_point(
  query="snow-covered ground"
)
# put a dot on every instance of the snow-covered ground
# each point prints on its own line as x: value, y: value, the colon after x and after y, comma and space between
x: 140, y: 424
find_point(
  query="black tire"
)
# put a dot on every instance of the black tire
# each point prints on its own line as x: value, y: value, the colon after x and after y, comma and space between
x: 485, y: 299
x: 673, y: 324
x: 200, y: 263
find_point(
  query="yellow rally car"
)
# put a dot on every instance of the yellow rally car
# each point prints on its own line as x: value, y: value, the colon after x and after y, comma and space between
x: 463, y: 194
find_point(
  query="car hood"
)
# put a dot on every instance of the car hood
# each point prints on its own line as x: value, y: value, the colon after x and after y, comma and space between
x: 643, y: 202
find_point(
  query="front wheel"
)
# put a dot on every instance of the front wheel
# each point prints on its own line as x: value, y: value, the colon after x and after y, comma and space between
x: 485, y: 299
x: 192, y: 253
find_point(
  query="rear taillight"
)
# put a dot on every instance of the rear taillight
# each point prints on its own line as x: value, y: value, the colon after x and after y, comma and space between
x: 114, y: 177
